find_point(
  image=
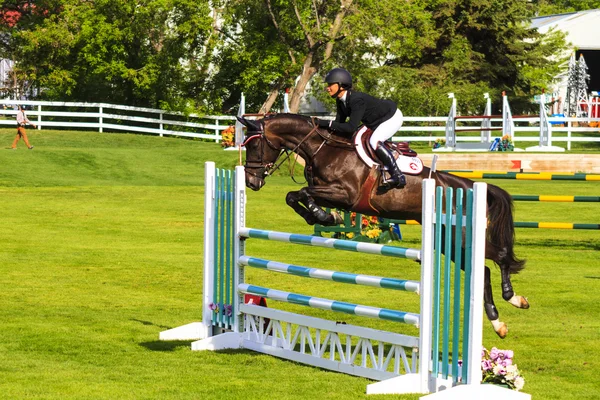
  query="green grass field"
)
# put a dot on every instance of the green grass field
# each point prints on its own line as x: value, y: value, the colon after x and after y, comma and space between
x: 102, y: 249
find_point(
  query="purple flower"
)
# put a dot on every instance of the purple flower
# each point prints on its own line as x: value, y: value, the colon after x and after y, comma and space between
x: 213, y: 306
x: 228, y: 310
x: 494, y: 353
x: 486, y: 365
x: 506, y: 362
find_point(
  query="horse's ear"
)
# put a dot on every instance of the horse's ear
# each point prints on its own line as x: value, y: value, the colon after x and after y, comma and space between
x: 252, y: 125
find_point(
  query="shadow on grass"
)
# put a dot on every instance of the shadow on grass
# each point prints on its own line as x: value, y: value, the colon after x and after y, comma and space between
x: 160, y: 345
x: 562, y: 244
x: 148, y: 323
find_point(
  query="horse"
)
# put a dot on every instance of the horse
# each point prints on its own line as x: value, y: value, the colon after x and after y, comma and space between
x: 336, y: 175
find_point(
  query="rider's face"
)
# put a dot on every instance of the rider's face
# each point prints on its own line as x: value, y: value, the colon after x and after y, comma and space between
x: 333, y: 88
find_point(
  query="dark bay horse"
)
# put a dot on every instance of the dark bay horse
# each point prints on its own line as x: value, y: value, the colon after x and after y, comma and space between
x: 335, y: 176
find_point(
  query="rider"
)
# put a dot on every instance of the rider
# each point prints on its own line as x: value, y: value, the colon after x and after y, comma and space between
x: 382, y: 116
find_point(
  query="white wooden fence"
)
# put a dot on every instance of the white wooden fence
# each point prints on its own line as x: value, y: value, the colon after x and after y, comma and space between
x: 109, y: 117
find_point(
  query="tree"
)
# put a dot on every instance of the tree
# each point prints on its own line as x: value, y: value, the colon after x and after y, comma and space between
x: 128, y: 51
x: 549, y: 7
x: 413, y: 52
x: 481, y: 47
x: 184, y: 53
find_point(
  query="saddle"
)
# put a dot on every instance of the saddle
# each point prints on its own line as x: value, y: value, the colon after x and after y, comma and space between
x: 398, y: 149
x: 406, y: 158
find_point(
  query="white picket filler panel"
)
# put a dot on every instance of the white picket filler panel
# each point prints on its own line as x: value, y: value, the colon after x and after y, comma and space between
x: 327, y: 344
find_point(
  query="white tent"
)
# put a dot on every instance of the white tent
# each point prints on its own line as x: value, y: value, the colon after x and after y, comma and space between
x: 582, y: 28
x: 582, y: 31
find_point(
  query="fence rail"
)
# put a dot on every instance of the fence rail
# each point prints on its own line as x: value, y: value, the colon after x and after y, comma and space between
x: 110, y: 117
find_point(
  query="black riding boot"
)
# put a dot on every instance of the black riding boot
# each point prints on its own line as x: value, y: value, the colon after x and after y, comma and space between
x: 397, y: 179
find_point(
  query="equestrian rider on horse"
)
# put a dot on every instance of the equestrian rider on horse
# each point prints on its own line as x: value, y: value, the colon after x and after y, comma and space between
x: 382, y: 116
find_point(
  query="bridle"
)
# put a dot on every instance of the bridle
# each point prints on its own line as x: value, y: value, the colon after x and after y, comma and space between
x: 270, y: 167
x: 251, y: 165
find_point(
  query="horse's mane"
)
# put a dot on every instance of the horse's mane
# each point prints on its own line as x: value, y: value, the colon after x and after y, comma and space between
x: 287, y: 115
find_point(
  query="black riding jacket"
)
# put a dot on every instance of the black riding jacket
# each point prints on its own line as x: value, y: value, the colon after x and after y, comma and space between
x: 361, y: 107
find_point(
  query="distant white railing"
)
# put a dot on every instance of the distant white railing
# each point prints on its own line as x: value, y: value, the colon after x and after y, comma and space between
x: 111, y: 117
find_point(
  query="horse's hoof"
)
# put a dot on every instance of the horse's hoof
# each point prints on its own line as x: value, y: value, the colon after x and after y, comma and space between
x: 519, y: 302
x: 337, y: 218
x: 500, y: 328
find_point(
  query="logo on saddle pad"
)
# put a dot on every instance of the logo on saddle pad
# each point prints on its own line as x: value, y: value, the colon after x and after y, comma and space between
x: 407, y: 164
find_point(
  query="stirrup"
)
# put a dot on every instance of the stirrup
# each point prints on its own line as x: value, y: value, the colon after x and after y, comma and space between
x: 387, y: 184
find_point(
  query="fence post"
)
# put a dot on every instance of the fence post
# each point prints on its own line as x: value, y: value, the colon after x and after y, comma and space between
x: 100, y: 119
x: 217, y: 130
x: 160, y: 125
x: 39, y: 121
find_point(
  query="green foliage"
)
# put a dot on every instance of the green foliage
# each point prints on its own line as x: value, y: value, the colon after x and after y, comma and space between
x: 113, y: 50
x: 548, y: 7
x: 479, y: 47
x: 200, y: 56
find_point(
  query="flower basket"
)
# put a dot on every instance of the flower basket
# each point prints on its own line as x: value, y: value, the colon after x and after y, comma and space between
x: 228, y: 137
x: 497, y: 368
x: 506, y: 144
x: 439, y: 143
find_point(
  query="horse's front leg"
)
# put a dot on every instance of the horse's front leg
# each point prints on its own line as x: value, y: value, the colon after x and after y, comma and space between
x: 293, y: 200
x: 306, y: 203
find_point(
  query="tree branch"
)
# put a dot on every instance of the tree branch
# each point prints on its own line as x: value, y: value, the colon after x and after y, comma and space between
x: 279, y: 32
x: 336, y: 26
x: 309, y: 39
x: 317, y: 15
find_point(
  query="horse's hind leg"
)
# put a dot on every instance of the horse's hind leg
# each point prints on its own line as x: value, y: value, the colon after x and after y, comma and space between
x: 490, y: 308
x: 508, y: 293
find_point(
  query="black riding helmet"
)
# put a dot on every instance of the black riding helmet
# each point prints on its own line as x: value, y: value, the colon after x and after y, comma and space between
x: 341, y: 77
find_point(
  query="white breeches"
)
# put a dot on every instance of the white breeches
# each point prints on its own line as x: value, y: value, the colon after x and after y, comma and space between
x: 387, y: 129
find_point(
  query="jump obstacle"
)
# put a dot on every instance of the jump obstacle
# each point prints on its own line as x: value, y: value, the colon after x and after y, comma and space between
x: 507, y: 128
x: 403, y: 364
x: 540, y: 198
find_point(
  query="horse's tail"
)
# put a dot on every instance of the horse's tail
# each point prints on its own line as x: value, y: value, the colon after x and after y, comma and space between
x: 501, y: 229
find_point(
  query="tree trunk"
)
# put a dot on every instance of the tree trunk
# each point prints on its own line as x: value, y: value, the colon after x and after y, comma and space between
x: 308, y: 71
x: 266, y: 107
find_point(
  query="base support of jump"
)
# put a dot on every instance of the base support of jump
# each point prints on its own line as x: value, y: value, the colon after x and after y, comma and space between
x: 554, y: 149
x: 191, y: 331
x: 480, y: 391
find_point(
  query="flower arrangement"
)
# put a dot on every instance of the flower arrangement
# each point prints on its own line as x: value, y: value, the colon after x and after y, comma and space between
x: 498, y: 368
x: 439, y: 143
x: 369, y: 226
x: 227, y: 309
x: 228, y: 137
x: 506, y: 144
